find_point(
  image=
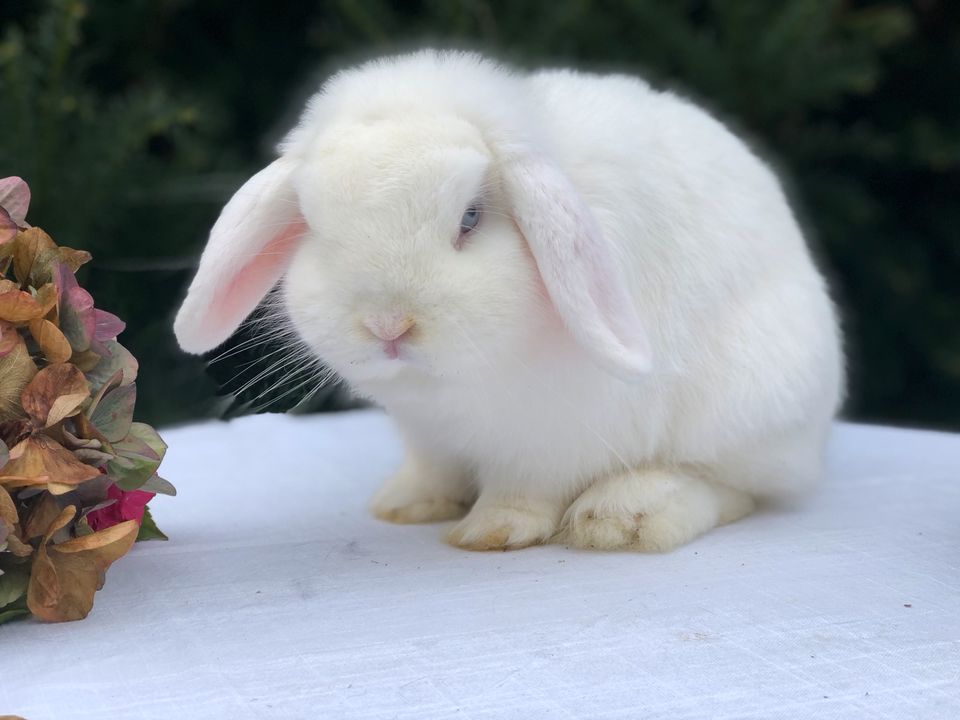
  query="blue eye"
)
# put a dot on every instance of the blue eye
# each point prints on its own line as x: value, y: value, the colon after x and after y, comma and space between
x: 470, y: 219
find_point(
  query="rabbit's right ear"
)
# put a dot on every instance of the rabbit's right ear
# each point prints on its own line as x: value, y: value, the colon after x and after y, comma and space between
x: 249, y: 249
x: 578, y: 266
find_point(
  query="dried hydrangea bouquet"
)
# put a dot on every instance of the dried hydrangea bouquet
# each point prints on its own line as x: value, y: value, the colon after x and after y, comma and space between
x: 76, y: 472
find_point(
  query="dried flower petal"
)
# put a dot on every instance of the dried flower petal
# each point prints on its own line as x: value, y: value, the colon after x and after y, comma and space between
x: 114, y: 381
x: 114, y: 414
x: 30, y: 245
x: 77, y: 319
x: 46, y: 296
x: 86, y: 360
x: 8, y: 510
x: 117, y: 358
x: 16, y: 370
x: 15, y: 198
x: 138, y: 457
x: 107, y: 325
x: 18, y: 548
x: 66, y: 577
x: 9, y: 338
x: 73, y: 259
x: 8, y: 231
x: 41, y: 516
x: 40, y: 460
x: 55, y: 393
x: 159, y: 486
x: 19, y: 306
x: 53, y: 343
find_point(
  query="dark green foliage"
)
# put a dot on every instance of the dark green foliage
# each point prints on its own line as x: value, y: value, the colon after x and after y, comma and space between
x: 133, y: 124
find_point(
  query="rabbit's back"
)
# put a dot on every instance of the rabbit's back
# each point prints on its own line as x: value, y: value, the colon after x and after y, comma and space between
x: 745, y: 336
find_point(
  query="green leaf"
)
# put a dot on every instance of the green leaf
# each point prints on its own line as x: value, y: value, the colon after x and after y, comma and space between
x: 131, y: 471
x: 118, y: 359
x: 13, y: 585
x: 6, y: 615
x: 158, y: 485
x: 113, y: 381
x: 149, y: 529
x: 142, y: 435
x: 113, y: 415
x: 138, y: 457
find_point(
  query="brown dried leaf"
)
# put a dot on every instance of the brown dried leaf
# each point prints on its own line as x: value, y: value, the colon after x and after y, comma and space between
x: 16, y: 370
x: 8, y: 230
x: 65, y: 577
x: 19, y: 306
x: 73, y: 259
x: 13, y: 431
x: 41, y: 516
x: 104, y: 541
x: 86, y: 430
x: 8, y: 509
x: 18, y: 547
x: 86, y: 360
x: 46, y: 296
x: 62, y: 586
x: 62, y: 519
x: 40, y: 460
x: 31, y: 244
x: 55, y: 393
x: 9, y: 338
x: 53, y: 343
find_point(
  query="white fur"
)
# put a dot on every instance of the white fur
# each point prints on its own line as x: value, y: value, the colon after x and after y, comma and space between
x: 634, y: 342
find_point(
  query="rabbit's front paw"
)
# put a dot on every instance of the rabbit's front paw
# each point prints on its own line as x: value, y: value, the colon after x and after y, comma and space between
x: 504, y: 526
x: 649, y: 511
x: 418, y: 510
x: 419, y: 495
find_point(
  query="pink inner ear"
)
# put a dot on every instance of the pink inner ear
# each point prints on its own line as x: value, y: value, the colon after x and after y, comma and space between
x: 244, y: 290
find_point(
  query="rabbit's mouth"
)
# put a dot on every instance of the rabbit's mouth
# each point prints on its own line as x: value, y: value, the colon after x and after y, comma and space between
x: 388, y: 362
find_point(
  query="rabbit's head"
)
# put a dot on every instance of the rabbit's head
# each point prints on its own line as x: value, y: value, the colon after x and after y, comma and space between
x: 419, y: 230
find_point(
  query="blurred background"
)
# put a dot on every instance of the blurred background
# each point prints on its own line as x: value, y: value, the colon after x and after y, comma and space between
x: 134, y: 120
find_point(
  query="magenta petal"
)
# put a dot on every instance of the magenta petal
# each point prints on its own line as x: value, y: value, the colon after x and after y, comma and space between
x: 107, y: 325
x: 132, y: 504
x: 15, y: 198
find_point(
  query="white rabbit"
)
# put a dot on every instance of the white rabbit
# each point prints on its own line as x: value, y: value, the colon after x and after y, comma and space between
x: 585, y: 302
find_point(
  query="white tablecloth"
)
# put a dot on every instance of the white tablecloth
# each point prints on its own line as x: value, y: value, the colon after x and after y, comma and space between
x: 278, y: 596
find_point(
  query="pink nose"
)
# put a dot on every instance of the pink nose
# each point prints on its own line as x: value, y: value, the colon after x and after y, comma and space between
x: 391, y: 329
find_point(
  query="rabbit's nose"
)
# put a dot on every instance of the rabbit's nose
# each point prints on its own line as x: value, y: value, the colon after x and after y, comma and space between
x: 391, y: 329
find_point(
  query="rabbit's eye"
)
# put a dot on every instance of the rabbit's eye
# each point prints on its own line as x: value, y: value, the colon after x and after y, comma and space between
x: 470, y: 219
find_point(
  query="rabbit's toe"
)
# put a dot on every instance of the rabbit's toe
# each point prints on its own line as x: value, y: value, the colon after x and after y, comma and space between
x: 502, y: 527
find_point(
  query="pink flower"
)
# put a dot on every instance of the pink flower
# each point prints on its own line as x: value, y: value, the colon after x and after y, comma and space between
x: 128, y: 506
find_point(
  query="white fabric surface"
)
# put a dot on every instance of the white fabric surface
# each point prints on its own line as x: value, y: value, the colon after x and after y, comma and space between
x: 280, y: 597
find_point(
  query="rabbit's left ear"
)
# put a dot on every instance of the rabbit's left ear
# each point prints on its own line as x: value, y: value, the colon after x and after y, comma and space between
x: 577, y: 266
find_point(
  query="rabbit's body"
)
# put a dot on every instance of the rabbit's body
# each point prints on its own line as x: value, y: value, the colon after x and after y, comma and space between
x: 745, y: 368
